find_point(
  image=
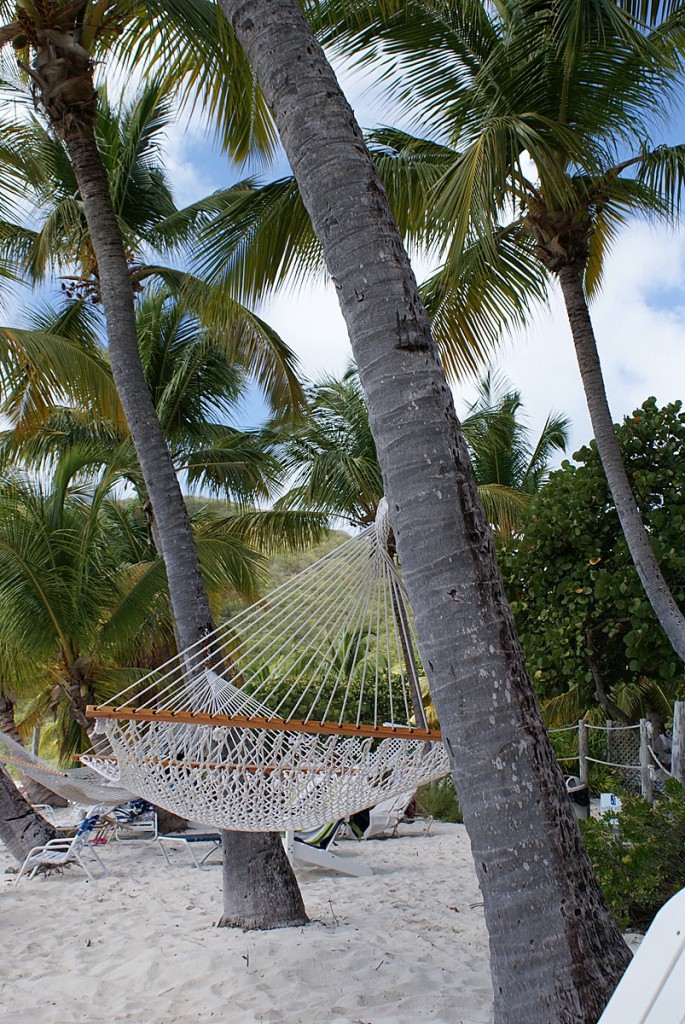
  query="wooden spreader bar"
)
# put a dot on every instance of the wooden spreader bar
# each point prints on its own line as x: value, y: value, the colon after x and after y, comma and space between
x: 278, y: 724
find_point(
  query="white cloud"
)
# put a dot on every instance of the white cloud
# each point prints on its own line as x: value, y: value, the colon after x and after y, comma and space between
x: 310, y: 321
x: 641, y: 340
x: 193, y: 167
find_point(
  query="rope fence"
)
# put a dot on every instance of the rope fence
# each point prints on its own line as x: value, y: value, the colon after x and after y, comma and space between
x: 631, y: 749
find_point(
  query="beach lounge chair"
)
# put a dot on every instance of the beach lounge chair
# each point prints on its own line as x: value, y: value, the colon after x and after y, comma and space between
x: 63, y: 819
x: 312, y: 849
x: 135, y: 822
x: 59, y: 852
x: 652, y: 989
x: 188, y: 841
x: 383, y: 820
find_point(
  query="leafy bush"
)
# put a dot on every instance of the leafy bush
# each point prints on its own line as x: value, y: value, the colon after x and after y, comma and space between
x: 440, y: 800
x: 640, y: 860
x: 588, y: 632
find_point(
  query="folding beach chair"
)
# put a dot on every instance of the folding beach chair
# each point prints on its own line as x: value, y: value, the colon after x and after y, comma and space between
x: 63, y: 819
x: 312, y: 849
x: 59, y: 852
x: 383, y: 820
x: 187, y: 841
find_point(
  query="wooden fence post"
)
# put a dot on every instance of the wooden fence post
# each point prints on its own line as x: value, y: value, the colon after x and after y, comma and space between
x: 678, y: 742
x: 646, y: 762
x: 582, y: 752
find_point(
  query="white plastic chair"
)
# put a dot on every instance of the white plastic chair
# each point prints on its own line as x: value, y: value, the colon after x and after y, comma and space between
x: 652, y: 991
x: 187, y: 841
x: 142, y: 829
x: 313, y: 849
x: 63, y: 819
x: 59, y: 852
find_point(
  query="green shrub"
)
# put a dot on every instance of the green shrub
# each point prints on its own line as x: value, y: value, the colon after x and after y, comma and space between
x: 640, y: 860
x: 439, y: 799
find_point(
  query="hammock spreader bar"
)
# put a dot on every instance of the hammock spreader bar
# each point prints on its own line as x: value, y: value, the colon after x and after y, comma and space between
x: 255, y: 722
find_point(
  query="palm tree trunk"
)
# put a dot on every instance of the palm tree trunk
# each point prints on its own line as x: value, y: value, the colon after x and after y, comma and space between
x: 66, y: 89
x: 658, y: 594
x: 556, y: 953
x: 20, y: 827
x: 251, y: 873
x: 7, y: 721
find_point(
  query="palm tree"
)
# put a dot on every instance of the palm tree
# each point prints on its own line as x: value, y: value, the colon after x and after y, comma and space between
x: 58, y: 577
x: 537, y: 150
x: 83, y: 606
x: 524, y: 83
x: 83, y: 593
x: 508, y: 467
x: 57, y: 45
x: 331, y: 456
x: 543, y: 907
x: 195, y: 382
x: 129, y: 138
x: 50, y: 235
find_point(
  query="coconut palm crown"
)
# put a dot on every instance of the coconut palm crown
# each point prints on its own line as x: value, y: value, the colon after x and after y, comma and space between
x: 332, y: 457
x: 549, y: 109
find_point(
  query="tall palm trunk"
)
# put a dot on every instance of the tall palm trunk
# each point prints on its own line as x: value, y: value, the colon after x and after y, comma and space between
x: 556, y: 953
x: 78, y: 689
x: 63, y: 81
x: 658, y: 593
x: 7, y: 720
x: 20, y: 827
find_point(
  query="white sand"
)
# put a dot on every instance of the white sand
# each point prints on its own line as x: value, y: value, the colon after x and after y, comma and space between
x: 141, y: 945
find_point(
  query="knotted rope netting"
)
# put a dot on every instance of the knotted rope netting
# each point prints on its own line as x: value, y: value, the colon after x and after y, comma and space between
x: 302, y: 709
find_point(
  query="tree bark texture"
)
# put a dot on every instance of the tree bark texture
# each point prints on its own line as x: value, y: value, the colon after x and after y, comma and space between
x: 20, y: 827
x: 556, y: 953
x: 657, y: 590
x: 255, y: 896
x: 186, y: 589
x: 60, y: 74
x: 7, y: 720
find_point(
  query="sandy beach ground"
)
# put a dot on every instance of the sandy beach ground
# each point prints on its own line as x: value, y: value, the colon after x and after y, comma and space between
x: 141, y: 946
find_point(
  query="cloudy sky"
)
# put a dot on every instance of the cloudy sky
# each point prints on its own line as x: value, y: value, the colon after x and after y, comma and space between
x: 639, y: 317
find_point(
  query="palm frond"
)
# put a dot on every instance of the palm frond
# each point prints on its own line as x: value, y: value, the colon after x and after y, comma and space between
x: 257, y: 239
x: 232, y: 463
x: 505, y: 507
x: 662, y: 172
x: 194, y: 45
x: 37, y: 369
x: 278, y: 529
x: 565, y: 708
x: 489, y: 287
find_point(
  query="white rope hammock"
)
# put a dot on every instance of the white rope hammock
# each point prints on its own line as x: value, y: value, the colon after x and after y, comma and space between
x: 302, y: 709
x: 78, y: 785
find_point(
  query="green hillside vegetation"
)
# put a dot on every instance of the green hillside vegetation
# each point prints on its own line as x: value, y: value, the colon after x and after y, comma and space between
x: 283, y: 566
